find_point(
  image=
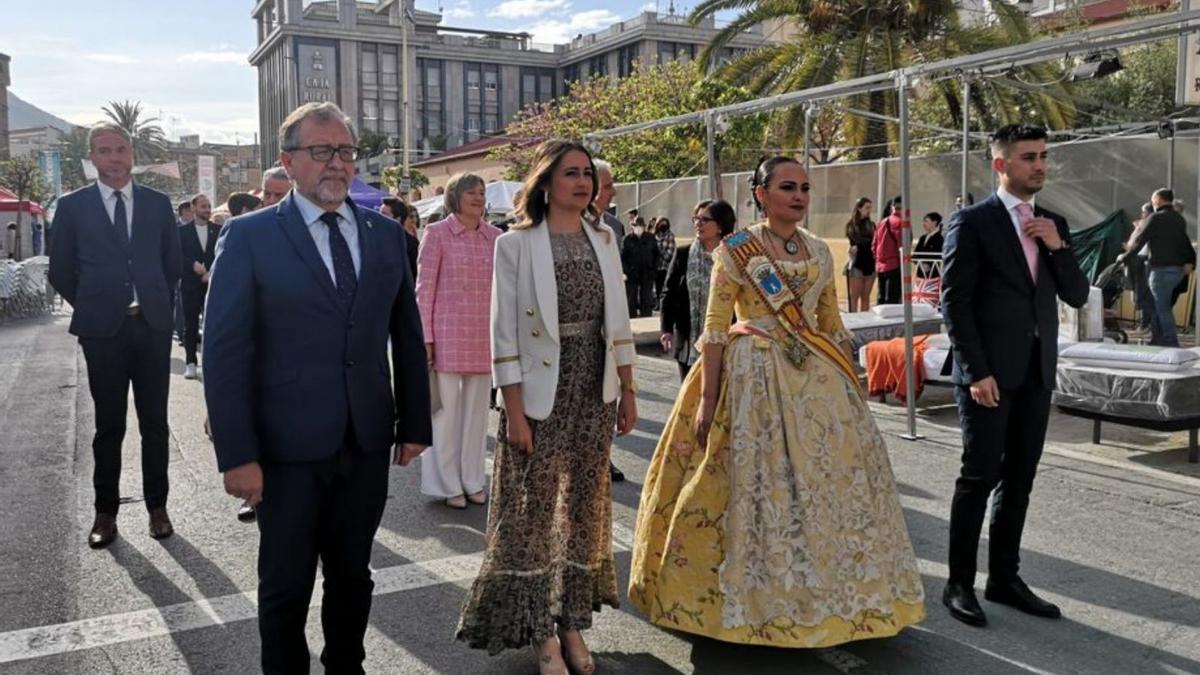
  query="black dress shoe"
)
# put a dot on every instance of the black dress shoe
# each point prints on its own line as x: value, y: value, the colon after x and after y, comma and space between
x: 246, y: 513
x: 1016, y: 594
x: 617, y: 475
x: 104, y: 530
x: 160, y: 524
x: 960, y: 600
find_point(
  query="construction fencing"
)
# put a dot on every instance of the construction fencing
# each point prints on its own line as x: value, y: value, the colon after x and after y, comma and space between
x: 1087, y: 181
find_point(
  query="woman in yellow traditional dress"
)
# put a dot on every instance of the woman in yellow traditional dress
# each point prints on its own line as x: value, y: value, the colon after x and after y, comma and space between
x: 769, y: 514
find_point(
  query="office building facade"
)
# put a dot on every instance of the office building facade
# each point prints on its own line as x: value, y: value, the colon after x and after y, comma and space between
x: 464, y: 83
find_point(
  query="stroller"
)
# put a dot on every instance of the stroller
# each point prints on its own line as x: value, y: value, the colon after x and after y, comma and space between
x: 1111, y: 283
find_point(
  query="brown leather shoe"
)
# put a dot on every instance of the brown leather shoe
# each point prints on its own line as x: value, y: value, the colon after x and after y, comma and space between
x: 160, y: 524
x: 104, y: 530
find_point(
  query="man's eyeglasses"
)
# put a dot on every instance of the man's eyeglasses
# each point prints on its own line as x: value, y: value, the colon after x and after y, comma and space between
x: 324, y: 153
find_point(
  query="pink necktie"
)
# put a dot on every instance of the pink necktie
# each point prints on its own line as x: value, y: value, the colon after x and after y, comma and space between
x: 1024, y: 215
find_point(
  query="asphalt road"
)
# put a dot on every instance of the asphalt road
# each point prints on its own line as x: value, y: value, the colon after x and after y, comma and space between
x: 1117, y: 544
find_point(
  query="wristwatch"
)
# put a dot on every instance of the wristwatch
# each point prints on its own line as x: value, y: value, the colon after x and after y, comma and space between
x: 629, y: 386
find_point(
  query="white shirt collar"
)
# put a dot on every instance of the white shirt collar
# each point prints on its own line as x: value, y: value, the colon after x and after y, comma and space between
x: 1011, y: 201
x: 311, y: 213
x: 106, y: 192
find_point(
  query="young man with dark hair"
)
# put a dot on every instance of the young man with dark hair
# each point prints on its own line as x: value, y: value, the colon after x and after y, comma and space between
x: 198, y: 247
x: 1007, y: 263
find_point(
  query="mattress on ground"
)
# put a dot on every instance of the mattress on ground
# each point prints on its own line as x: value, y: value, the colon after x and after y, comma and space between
x: 867, y: 327
x: 1135, y: 394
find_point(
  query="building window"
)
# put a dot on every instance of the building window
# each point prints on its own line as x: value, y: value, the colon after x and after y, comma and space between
x: 528, y: 88
x: 598, y: 65
x: 387, y: 66
x: 491, y: 124
x: 430, y: 125
x: 626, y: 57
x: 537, y: 84
x: 490, y: 80
x: 676, y: 51
x: 370, y: 65
x: 370, y: 112
x: 473, y: 79
x: 570, y: 75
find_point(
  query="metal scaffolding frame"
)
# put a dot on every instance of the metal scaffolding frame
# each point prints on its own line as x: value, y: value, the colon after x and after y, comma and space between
x: 997, y: 63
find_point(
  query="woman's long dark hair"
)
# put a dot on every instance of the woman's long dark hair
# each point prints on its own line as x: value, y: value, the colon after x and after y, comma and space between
x: 859, y: 227
x: 535, y: 205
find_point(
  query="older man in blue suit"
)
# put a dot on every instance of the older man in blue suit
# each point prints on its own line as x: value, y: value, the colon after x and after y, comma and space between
x: 115, y: 258
x: 302, y: 300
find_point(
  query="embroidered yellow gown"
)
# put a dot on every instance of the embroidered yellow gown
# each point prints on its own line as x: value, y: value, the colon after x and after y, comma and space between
x: 786, y: 528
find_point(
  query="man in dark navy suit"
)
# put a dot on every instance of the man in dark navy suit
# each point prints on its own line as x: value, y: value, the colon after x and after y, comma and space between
x: 116, y: 260
x: 305, y: 411
x: 1007, y: 262
x: 198, y: 246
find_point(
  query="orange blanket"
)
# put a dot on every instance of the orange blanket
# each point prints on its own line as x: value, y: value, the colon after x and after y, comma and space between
x: 885, y: 367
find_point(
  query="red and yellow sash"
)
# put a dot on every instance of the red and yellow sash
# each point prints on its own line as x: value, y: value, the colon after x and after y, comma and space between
x: 759, y: 268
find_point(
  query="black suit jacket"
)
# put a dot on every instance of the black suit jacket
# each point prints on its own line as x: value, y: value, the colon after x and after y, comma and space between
x: 285, y: 362
x: 676, y: 315
x: 994, y: 311
x: 1166, y: 233
x: 95, y: 270
x: 191, y: 252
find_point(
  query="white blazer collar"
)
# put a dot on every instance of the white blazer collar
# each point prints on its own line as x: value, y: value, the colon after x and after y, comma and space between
x: 545, y: 285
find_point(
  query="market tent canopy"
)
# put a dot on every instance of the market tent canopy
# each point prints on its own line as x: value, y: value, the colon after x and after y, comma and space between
x: 366, y: 196
x: 499, y: 195
x: 9, y: 203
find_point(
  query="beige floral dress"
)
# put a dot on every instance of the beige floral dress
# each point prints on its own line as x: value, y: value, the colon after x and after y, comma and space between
x: 785, y: 529
x: 548, y: 560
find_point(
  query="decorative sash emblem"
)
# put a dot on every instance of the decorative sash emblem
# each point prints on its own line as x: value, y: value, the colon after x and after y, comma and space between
x: 753, y: 261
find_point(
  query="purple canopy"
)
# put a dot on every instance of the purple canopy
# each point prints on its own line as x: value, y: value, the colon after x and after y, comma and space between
x: 366, y: 196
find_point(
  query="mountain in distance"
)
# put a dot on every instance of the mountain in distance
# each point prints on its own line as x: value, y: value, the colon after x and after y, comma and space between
x: 25, y: 115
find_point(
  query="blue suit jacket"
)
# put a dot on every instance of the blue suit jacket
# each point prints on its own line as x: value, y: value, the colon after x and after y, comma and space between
x: 93, y: 268
x: 992, y: 307
x: 286, y: 367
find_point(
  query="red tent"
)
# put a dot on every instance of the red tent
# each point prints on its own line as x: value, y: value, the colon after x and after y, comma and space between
x: 8, y: 202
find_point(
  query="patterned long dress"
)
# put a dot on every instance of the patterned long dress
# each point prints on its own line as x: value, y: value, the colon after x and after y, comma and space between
x: 548, y: 560
x: 785, y: 528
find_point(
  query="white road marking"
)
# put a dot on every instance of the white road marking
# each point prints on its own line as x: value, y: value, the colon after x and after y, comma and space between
x: 1000, y: 657
x: 103, y: 631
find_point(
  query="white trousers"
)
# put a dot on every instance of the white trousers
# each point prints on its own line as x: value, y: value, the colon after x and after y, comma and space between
x: 454, y: 465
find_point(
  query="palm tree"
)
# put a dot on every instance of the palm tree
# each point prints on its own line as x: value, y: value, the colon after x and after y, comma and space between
x: 846, y: 39
x: 149, y: 141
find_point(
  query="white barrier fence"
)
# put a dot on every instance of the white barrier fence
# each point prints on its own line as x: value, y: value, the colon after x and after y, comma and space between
x: 24, y: 288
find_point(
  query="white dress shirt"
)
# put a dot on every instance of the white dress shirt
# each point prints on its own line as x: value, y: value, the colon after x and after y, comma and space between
x: 347, y: 225
x: 201, y: 232
x: 107, y: 195
x: 1011, y: 202
x: 110, y: 204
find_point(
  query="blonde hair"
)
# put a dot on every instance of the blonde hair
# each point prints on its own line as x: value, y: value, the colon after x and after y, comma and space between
x: 534, y: 204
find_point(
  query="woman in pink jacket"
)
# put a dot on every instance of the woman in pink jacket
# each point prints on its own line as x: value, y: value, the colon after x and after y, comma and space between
x: 454, y: 290
x: 887, y: 254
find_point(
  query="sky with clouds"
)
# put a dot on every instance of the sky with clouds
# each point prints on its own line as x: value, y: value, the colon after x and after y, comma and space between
x: 185, y: 60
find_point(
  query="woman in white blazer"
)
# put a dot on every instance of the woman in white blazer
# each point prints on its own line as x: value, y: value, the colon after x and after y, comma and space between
x: 562, y: 355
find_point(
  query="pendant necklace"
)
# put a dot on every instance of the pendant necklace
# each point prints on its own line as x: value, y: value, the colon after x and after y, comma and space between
x: 790, y: 244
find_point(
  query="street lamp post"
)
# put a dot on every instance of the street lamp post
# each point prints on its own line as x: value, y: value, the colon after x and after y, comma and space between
x: 405, y: 181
